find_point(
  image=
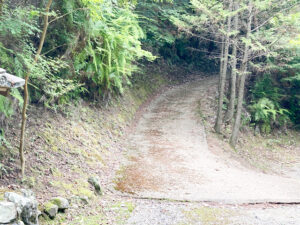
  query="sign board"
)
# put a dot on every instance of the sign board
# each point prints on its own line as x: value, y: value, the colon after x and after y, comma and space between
x: 4, y: 91
x: 8, y: 81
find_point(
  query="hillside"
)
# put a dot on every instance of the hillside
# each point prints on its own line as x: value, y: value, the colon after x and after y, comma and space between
x: 149, y: 112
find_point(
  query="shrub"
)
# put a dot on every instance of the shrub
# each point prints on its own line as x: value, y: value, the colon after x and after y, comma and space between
x: 266, y: 115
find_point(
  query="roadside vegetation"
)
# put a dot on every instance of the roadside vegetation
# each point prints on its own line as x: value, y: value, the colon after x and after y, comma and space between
x: 90, y: 64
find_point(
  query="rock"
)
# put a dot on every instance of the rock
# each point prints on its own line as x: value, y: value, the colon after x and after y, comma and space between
x: 51, y: 209
x: 95, y: 181
x: 84, y: 199
x: 26, y: 204
x: 27, y: 193
x: 18, y: 223
x: 8, y: 212
x: 256, y: 131
x: 79, y: 200
x: 62, y: 203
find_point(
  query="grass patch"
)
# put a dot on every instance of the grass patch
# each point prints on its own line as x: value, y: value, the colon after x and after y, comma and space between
x: 79, y: 188
x: 89, y: 220
x: 60, y: 219
x: 123, y: 211
x: 271, y: 153
x: 209, y: 216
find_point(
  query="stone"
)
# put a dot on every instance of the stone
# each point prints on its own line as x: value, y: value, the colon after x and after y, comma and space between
x: 8, y: 212
x: 26, y: 204
x: 256, y: 131
x: 62, y: 203
x: 11, y: 81
x: 18, y: 223
x: 39, y: 213
x: 51, y: 209
x: 84, y: 199
x: 79, y: 200
x: 27, y: 193
x: 95, y: 181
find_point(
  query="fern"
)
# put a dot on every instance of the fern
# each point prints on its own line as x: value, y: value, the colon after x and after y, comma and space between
x: 112, y: 47
x: 266, y: 114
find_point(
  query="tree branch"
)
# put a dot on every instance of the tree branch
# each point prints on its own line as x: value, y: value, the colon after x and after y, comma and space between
x: 57, y: 18
x: 266, y: 21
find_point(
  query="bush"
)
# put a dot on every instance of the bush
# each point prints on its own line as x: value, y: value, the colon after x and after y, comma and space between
x: 267, y: 115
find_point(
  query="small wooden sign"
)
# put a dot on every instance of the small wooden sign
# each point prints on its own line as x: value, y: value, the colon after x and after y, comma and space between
x: 8, y: 81
x: 4, y: 91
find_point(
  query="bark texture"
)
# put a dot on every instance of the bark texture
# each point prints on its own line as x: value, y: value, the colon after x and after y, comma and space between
x: 231, y: 106
x: 223, y: 72
x: 237, y: 122
x: 26, y: 95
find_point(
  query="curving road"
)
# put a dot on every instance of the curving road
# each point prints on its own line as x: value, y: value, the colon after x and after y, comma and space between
x: 169, y: 158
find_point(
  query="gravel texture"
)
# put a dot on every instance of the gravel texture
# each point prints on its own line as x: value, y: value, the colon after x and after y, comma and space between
x: 170, y: 159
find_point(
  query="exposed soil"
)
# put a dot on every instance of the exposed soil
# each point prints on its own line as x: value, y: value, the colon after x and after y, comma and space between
x: 174, y: 160
x: 171, y: 158
x: 175, y: 171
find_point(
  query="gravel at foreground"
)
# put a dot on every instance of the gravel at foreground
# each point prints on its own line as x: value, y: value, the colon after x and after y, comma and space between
x: 151, y: 212
x: 170, y: 157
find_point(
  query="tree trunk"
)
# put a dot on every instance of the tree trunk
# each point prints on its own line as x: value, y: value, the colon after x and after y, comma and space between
x: 231, y: 106
x: 237, y: 122
x: 221, y: 59
x: 38, y: 53
x: 223, y: 72
x: 1, y: 6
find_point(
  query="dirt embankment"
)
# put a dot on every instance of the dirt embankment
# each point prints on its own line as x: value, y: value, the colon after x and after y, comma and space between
x: 180, y: 173
x: 171, y: 158
x: 170, y: 154
x: 64, y: 149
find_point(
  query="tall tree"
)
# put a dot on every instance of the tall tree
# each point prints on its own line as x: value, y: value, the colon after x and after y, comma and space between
x: 231, y: 106
x: 223, y: 71
x: 1, y: 5
x: 243, y: 74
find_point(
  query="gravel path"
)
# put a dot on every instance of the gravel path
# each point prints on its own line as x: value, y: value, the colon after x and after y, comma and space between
x: 169, y: 159
x: 171, y: 213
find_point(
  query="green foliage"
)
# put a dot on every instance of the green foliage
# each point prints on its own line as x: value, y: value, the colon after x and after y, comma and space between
x: 19, y: 23
x: 281, y: 83
x: 19, y: 27
x: 290, y: 83
x: 155, y: 21
x: 281, y: 86
x: 112, y: 46
x: 92, y: 47
x: 266, y: 114
x: 16, y: 26
x: 167, y: 38
x: 266, y: 88
x: 6, y: 106
x: 3, y: 142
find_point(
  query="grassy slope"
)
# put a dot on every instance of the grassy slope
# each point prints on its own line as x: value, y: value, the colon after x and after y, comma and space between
x: 63, y: 150
x: 277, y: 153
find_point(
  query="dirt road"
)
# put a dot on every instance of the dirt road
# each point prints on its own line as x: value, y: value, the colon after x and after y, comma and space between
x: 170, y: 159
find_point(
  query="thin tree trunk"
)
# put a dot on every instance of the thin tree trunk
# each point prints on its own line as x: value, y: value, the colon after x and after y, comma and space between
x: 221, y: 59
x: 1, y: 6
x: 38, y: 53
x: 223, y: 72
x: 230, y: 111
x: 237, y: 122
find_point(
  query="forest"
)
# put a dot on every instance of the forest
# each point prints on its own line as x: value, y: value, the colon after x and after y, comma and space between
x: 120, y: 95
